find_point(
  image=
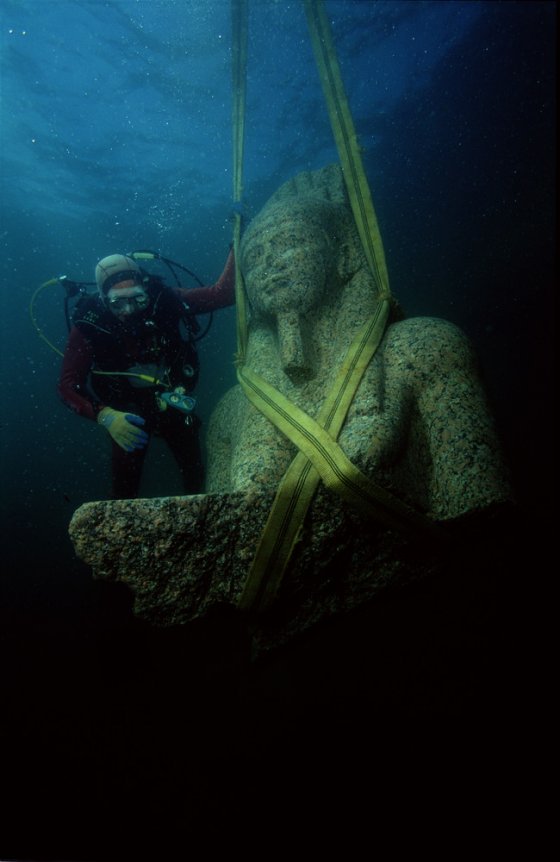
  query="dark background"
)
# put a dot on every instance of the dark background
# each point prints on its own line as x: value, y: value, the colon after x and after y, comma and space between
x: 417, y: 718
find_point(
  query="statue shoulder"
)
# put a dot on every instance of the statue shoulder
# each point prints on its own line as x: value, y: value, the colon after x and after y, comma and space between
x: 428, y: 345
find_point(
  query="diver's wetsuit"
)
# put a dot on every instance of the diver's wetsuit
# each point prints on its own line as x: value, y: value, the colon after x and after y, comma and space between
x: 158, y: 343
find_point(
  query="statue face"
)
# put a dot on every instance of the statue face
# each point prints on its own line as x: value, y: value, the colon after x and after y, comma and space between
x: 285, y: 263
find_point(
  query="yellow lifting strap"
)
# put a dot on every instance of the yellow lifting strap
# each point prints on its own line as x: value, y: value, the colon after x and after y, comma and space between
x: 239, y: 24
x: 346, y: 142
x: 320, y: 457
x: 298, y: 486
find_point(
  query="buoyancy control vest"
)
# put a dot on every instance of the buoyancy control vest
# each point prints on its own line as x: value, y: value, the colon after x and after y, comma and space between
x: 157, y: 348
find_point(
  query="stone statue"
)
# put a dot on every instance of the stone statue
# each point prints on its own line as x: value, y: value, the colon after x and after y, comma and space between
x: 419, y: 426
x: 419, y: 423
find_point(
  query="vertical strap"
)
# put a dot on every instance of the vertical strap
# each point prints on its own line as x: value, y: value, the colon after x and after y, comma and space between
x: 239, y: 23
x: 319, y: 456
x: 346, y: 142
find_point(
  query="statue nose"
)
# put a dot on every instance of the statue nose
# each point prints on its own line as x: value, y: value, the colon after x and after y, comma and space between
x: 294, y: 354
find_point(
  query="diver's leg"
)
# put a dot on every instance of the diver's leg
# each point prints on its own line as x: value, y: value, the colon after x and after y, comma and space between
x: 183, y: 441
x: 126, y: 468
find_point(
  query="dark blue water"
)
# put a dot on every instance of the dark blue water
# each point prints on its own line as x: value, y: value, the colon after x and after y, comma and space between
x: 116, y: 135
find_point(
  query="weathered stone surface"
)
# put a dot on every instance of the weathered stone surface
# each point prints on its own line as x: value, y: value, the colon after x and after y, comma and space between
x: 419, y: 427
x: 181, y: 556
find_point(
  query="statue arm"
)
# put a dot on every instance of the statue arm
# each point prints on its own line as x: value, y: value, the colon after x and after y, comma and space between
x: 467, y: 469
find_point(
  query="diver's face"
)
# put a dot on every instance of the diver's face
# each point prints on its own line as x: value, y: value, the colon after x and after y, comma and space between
x: 127, y: 303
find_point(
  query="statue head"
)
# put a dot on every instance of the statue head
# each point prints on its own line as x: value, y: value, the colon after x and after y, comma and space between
x: 289, y: 256
x: 297, y: 257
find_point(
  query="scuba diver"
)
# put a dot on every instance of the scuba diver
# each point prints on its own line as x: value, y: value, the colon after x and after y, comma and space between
x: 130, y: 364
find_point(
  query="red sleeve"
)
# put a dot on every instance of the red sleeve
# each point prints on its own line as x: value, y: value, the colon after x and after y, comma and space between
x: 72, y: 383
x: 204, y: 299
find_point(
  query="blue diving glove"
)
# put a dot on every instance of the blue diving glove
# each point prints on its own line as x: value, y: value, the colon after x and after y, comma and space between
x: 124, y: 428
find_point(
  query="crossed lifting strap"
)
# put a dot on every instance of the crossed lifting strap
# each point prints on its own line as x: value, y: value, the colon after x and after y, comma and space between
x: 320, y: 456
